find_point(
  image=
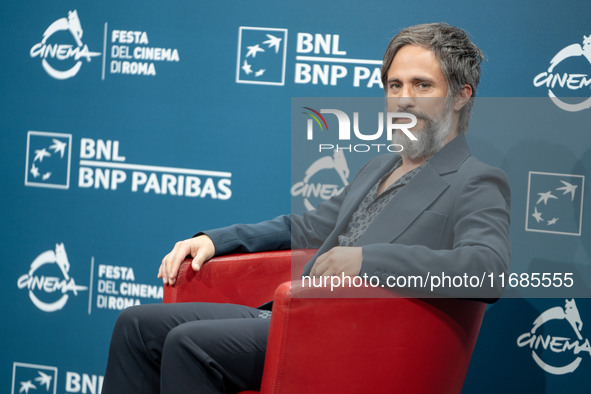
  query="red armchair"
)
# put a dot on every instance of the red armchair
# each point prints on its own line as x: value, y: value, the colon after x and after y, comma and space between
x: 321, y: 343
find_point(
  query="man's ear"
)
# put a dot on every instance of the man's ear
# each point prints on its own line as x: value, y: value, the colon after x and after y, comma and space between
x: 462, y: 98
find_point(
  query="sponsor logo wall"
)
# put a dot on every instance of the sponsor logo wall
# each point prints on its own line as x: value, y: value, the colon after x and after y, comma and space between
x: 128, y: 127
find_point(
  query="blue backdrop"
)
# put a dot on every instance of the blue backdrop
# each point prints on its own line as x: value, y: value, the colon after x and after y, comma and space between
x: 127, y: 126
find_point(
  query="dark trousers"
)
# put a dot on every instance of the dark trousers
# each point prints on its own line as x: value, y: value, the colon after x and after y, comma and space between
x: 187, y: 348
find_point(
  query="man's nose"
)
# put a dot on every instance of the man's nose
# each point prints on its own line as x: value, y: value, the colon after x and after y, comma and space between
x: 406, y: 99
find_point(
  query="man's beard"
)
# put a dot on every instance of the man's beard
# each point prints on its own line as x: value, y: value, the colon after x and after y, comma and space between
x: 430, y: 139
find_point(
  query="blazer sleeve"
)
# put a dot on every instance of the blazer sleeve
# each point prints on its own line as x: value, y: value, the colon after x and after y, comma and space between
x: 481, y: 244
x: 309, y: 230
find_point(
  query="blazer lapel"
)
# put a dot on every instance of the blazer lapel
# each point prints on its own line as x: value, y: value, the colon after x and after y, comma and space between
x: 418, y: 194
x: 362, y: 187
x: 414, y: 198
x: 405, y: 206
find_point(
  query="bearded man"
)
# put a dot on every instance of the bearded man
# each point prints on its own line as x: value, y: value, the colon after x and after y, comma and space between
x: 433, y: 208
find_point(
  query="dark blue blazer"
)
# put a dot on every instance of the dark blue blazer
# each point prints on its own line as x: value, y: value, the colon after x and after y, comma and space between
x: 451, y: 218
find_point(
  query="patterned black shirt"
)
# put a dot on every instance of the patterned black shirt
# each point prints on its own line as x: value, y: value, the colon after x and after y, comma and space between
x: 373, y: 204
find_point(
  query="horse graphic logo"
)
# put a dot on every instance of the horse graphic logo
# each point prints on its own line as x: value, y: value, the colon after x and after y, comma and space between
x: 337, y: 162
x: 569, y: 312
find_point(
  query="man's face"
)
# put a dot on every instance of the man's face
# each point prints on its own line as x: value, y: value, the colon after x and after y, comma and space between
x: 417, y: 85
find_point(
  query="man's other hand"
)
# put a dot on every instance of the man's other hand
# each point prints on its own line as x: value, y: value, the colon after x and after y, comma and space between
x: 340, y: 259
x: 200, y: 248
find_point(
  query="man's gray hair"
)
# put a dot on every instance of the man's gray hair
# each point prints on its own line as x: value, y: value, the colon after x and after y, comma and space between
x: 458, y: 58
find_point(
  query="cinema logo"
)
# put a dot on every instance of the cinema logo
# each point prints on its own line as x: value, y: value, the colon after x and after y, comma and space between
x: 50, y: 288
x: 125, y: 51
x: 545, y: 346
x: 344, y: 130
x: 57, y: 58
x: 319, y: 183
x: 571, y: 81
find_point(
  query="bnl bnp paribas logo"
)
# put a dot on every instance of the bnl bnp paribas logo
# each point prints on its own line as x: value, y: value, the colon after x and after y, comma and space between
x: 553, y: 346
x: 567, y: 74
x: 319, y: 60
x: 555, y: 203
x: 102, y: 166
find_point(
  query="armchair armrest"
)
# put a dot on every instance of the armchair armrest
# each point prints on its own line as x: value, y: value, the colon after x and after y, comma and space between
x: 245, y: 278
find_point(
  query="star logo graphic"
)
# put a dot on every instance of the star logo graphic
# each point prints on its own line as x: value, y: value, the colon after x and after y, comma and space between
x: 568, y: 188
x: 34, y: 171
x: 545, y: 196
x: 537, y: 215
x: 40, y: 154
x: 253, y: 50
x: 26, y: 386
x: 58, y: 146
x: 555, y: 203
x: 246, y: 68
x: 273, y: 42
x: 44, y: 379
x: 552, y: 221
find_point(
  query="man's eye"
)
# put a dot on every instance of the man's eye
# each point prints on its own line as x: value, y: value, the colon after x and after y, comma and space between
x: 395, y: 86
x: 424, y: 85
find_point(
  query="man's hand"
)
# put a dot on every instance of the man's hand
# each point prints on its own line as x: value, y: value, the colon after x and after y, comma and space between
x: 340, y: 259
x: 200, y: 248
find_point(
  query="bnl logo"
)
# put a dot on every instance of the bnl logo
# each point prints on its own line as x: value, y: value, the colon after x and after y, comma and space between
x: 48, y: 160
x: 261, y: 56
x: 32, y: 378
x: 554, y: 203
